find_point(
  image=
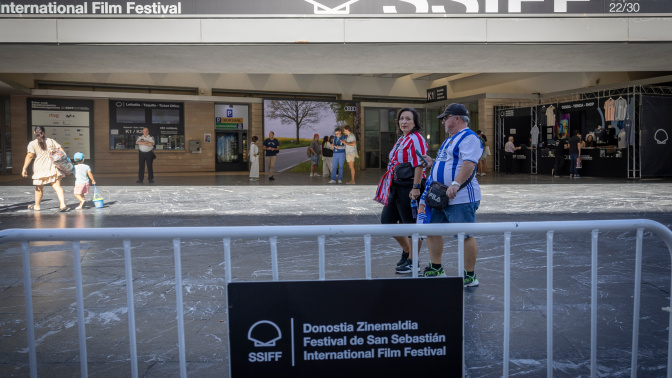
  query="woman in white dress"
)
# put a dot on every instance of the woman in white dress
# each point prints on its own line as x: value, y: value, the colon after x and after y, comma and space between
x: 254, y: 160
x: 44, y: 169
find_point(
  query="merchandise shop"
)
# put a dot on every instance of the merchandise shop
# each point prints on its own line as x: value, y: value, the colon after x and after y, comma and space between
x: 624, y: 133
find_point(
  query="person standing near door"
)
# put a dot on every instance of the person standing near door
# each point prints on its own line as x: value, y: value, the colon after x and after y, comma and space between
x: 350, y: 151
x: 145, y: 156
x: 254, y: 159
x: 271, y: 146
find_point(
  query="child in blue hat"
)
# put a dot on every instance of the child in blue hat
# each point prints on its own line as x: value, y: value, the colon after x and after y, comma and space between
x: 82, y: 175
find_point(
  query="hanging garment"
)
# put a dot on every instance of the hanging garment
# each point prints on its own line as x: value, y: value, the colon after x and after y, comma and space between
x: 535, y: 135
x: 621, y: 106
x: 550, y: 116
x: 609, y: 109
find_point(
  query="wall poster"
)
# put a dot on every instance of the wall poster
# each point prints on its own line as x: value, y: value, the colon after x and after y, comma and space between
x: 66, y: 121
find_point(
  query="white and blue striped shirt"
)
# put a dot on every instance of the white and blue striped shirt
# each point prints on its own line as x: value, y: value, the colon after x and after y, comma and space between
x: 461, y: 147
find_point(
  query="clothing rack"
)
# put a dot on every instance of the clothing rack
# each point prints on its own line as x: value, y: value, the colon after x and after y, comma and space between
x: 636, y: 91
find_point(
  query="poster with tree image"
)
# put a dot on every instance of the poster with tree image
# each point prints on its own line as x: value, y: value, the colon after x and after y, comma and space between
x: 301, y: 119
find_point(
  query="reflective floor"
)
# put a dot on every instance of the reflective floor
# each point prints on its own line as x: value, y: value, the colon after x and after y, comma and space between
x: 194, y: 200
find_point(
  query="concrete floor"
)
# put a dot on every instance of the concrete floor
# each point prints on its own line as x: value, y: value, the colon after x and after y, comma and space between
x: 193, y: 200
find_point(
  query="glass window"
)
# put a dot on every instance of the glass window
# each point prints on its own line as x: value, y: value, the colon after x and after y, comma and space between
x: 372, y: 120
x: 392, y: 121
x: 433, y: 130
x: 125, y: 115
x: 165, y: 121
x: 473, y: 115
x: 166, y: 116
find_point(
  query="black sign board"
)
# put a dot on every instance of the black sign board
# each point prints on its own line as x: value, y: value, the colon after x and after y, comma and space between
x: 437, y: 94
x: 656, y: 129
x: 341, y: 8
x: 337, y: 328
x: 515, y: 112
x: 578, y: 106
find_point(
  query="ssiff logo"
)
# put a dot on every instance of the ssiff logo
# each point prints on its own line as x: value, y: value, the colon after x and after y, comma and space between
x: 264, y: 333
x: 660, y: 136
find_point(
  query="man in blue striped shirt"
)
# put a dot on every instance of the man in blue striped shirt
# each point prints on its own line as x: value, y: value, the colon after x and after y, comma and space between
x: 454, y: 166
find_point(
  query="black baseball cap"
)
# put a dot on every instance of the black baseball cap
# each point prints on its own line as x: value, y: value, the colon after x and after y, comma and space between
x: 454, y: 109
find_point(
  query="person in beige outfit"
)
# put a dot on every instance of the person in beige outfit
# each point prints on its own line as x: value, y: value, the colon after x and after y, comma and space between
x: 44, y: 170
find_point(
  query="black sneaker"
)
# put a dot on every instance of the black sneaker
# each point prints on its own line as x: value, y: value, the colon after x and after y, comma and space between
x: 404, y: 257
x: 470, y: 281
x: 406, y: 267
x: 431, y: 271
x: 271, y: 178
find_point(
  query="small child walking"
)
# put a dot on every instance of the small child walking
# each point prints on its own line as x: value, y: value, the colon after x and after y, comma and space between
x: 82, y: 175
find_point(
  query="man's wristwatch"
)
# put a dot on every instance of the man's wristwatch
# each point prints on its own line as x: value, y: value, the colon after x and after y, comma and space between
x: 416, y: 186
x: 454, y: 183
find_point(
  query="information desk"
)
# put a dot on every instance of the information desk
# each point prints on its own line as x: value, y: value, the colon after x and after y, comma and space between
x: 596, y: 162
x: 521, y: 162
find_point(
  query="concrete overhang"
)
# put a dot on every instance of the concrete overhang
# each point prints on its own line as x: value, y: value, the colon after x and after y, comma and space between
x: 335, y: 46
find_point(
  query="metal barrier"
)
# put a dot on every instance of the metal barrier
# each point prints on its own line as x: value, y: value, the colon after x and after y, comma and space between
x: 24, y: 236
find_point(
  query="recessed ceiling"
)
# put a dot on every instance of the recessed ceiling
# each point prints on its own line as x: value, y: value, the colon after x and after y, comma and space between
x: 362, y: 59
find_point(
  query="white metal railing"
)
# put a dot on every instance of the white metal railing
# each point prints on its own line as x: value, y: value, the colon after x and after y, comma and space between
x: 226, y: 234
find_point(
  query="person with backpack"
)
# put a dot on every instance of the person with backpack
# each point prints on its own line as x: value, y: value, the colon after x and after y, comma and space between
x: 327, y: 155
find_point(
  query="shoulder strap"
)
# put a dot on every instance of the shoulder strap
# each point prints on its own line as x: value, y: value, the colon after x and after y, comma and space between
x: 469, y: 179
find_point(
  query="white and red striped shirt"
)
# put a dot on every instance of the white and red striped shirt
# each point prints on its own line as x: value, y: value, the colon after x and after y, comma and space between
x: 404, y: 150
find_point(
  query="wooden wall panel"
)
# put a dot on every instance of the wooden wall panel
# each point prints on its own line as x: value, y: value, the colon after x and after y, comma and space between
x: 19, y: 128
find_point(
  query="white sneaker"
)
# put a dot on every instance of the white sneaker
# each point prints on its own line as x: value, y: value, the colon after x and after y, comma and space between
x: 331, y: 182
x: 317, y: 175
x: 482, y: 174
x: 340, y: 182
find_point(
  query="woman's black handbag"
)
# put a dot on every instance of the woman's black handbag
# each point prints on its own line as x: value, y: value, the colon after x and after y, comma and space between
x: 404, y: 171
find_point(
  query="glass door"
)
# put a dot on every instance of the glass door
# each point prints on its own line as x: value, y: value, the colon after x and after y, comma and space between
x: 231, y: 150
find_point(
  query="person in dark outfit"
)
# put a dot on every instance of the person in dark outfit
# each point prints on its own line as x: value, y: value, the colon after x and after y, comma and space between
x: 574, y: 154
x: 271, y: 146
x: 560, y: 150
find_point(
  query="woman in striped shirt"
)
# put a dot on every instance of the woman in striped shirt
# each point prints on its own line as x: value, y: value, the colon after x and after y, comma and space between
x: 403, y: 180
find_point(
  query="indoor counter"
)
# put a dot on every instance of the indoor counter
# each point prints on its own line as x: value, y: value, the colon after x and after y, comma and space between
x: 597, y: 162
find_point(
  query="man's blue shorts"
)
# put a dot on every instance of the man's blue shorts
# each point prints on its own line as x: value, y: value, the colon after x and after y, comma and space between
x: 460, y: 213
x: 314, y: 159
